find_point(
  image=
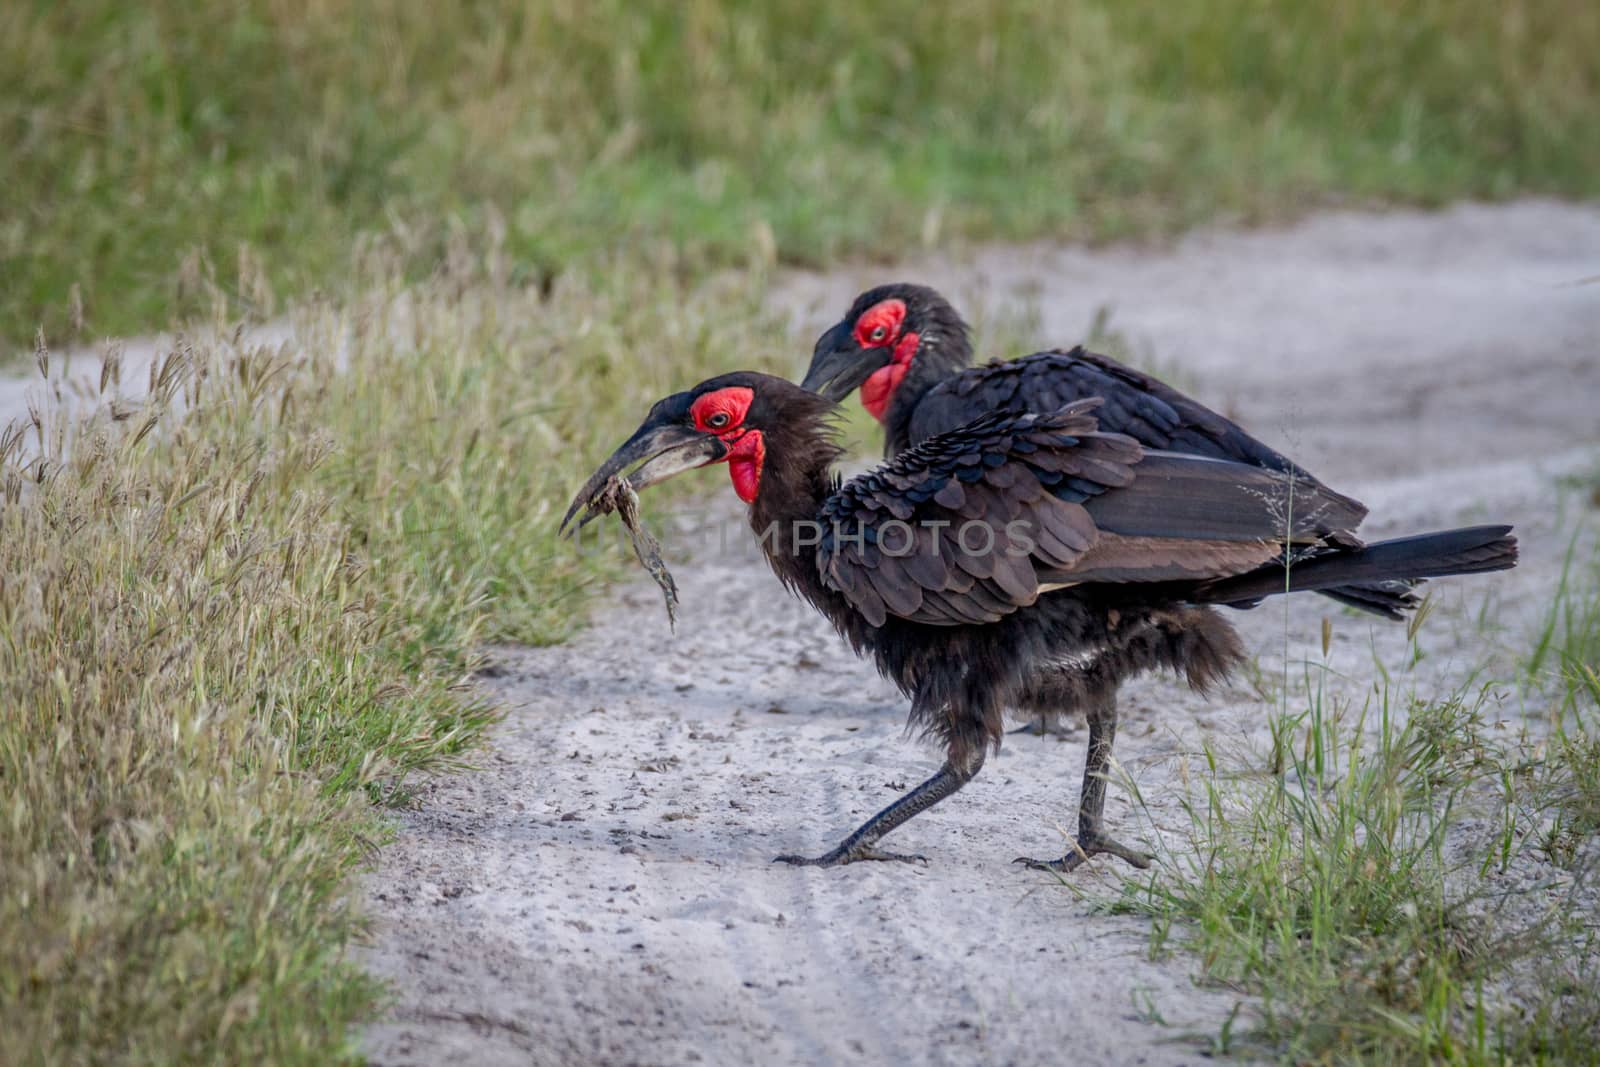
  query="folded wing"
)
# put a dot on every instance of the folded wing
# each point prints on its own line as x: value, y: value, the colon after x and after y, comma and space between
x: 1142, y: 407
x: 976, y: 523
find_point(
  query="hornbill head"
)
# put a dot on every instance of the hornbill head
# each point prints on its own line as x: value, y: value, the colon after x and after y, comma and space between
x: 728, y: 419
x: 873, y: 346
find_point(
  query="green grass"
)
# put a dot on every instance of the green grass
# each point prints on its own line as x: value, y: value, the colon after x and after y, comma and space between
x: 1393, y: 882
x: 226, y: 639
x: 149, y: 146
x: 1358, y: 897
x: 1566, y: 646
x: 1564, y: 666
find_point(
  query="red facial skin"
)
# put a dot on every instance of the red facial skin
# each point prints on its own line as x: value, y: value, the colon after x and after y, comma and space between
x: 879, y: 327
x: 722, y: 413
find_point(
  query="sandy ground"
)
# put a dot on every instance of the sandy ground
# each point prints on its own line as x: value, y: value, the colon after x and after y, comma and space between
x: 600, y: 890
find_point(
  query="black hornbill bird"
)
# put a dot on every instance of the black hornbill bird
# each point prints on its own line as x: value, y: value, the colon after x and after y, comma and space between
x: 1026, y: 560
x: 910, y: 353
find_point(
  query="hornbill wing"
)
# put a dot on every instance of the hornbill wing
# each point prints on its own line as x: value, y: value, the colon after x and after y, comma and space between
x: 1147, y: 410
x: 1199, y: 497
x: 937, y: 535
x: 974, y: 524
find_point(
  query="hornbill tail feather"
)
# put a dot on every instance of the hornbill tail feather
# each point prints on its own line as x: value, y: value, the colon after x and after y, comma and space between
x: 1390, y: 599
x: 1468, y: 550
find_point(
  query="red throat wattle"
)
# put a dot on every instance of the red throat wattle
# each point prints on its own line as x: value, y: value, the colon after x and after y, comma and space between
x: 745, y: 460
x: 878, y: 390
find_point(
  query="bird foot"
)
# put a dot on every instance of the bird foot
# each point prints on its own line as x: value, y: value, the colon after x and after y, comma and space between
x: 841, y: 856
x: 1088, y: 845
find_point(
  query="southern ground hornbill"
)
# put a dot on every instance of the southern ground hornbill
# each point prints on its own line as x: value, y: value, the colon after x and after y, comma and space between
x: 1025, y: 560
x: 910, y: 353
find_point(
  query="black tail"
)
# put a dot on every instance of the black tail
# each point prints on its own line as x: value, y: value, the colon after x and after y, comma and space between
x: 1391, y: 599
x: 1352, y: 575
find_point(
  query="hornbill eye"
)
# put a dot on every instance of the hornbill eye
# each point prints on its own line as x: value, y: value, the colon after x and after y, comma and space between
x: 718, y: 420
x: 880, y: 333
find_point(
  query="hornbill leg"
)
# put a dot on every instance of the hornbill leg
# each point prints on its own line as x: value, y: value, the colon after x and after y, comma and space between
x: 1092, y: 838
x: 861, y: 844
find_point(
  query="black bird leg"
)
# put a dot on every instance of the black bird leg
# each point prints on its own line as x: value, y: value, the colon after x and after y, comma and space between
x: 1092, y: 838
x: 861, y: 844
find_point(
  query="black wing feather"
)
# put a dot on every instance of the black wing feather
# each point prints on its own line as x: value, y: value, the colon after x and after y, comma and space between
x: 1135, y: 404
x: 991, y: 528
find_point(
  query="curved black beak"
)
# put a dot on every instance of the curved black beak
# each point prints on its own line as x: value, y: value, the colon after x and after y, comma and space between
x: 661, y: 448
x: 839, y: 365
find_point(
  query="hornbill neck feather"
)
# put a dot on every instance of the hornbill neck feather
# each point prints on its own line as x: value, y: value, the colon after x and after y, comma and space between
x: 945, y: 351
x: 799, y: 473
x: 799, y: 477
x: 946, y: 346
